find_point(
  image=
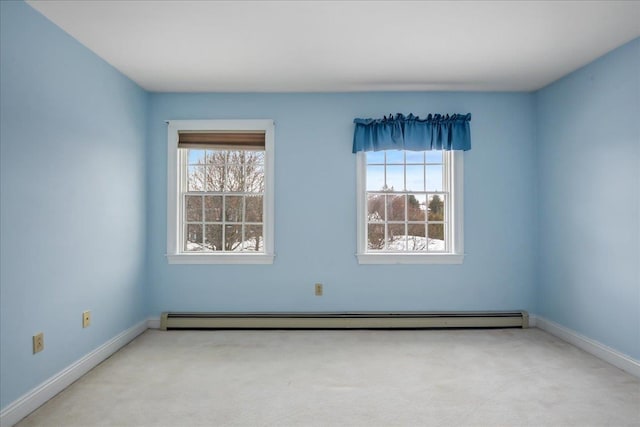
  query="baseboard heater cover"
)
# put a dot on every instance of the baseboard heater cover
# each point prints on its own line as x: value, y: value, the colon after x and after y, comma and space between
x: 346, y: 320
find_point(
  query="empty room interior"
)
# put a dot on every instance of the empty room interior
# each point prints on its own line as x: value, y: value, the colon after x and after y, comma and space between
x: 322, y: 213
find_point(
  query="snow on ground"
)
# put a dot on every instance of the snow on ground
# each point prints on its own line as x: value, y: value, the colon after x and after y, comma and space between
x: 416, y: 243
x: 249, y: 244
x: 401, y: 243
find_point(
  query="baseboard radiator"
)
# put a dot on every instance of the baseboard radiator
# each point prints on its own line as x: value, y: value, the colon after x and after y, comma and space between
x: 346, y: 320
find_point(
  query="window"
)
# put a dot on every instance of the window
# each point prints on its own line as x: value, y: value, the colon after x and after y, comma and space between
x: 220, y: 192
x: 410, y: 207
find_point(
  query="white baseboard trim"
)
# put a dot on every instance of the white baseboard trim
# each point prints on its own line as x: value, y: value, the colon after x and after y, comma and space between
x: 601, y: 351
x: 153, y: 323
x: 35, y: 398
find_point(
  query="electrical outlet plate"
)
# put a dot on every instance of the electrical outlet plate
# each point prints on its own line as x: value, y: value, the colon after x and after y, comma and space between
x: 318, y: 289
x: 38, y: 343
x: 86, y: 319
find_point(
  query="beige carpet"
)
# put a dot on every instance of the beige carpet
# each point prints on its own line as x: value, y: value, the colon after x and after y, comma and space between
x: 508, y: 377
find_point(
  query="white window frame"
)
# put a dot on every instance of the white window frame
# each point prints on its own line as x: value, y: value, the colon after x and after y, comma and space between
x: 456, y: 209
x: 174, y: 254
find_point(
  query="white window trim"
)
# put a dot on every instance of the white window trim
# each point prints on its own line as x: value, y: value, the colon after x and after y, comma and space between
x: 456, y: 256
x: 174, y: 256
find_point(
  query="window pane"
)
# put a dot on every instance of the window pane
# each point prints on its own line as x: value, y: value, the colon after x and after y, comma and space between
x: 434, y: 178
x: 193, y: 208
x: 233, y: 237
x: 415, y: 177
x: 416, y: 238
x: 395, y: 178
x: 253, y: 209
x: 415, y: 156
x: 193, y: 238
x: 196, y: 157
x: 436, y: 238
x: 213, y: 237
x: 375, y: 178
x: 254, y: 176
x: 416, y: 207
x: 256, y: 157
x: 234, y: 180
x: 396, y: 239
x: 212, y: 208
x: 214, y: 178
x: 395, y: 208
x: 395, y: 157
x: 216, y: 157
x: 233, y: 156
x: 375, y: 207
x: 375, y: 236
x: 434, y: 156
x: 375, y: 157
x: 417, y: 230
x: 436, y: 207
x: 233, y: 208
x: 196, y: 178
x: 253, y: 240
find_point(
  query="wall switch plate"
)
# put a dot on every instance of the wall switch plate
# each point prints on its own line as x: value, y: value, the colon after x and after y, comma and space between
x: 38, y: 343
x: 86, y: 319
x: 318, y: 289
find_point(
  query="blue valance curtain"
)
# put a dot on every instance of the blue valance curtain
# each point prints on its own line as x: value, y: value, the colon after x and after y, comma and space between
x: 436, y: 132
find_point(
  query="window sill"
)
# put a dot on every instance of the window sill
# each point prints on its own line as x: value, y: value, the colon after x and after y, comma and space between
x: 410, y: 258
x: 220, y: 259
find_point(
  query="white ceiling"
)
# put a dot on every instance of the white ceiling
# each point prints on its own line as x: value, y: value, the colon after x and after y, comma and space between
x: 337, y: 46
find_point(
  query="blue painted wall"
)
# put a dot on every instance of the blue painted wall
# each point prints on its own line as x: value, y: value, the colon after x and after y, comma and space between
x: 72, y: 199
x: 588, y: 127
x: 315, y: 206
